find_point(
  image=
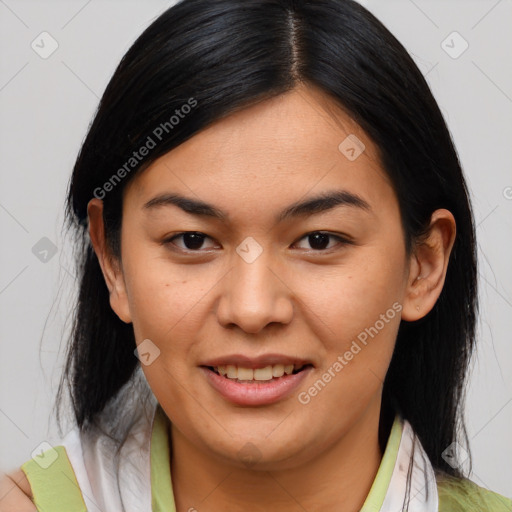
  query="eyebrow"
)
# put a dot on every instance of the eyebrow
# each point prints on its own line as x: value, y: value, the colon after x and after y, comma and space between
x: 311, y: 206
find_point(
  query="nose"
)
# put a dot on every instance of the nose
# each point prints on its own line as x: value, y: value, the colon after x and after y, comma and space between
x: 254, y: 294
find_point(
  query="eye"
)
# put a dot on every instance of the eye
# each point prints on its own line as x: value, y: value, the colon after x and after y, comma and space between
x: 319, y: 241
x: 192, y: 240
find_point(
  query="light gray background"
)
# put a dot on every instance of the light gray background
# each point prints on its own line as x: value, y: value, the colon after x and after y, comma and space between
x: 47, y: 104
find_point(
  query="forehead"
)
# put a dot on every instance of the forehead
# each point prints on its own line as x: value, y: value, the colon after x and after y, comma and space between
x: 274, y: 152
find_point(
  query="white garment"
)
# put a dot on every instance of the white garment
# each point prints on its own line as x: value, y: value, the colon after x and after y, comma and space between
x: 423, y: 492
x: 115, y: 474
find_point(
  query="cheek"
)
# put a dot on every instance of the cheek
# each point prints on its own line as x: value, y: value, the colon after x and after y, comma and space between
x: 166, y: 301
x: 352, y: 297
x: 166, y: 310
x: 357, y: 310
x: 162, y: 309
x: 356, y: 315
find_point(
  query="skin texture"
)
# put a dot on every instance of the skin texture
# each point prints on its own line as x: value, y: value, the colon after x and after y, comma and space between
x: 294, y: 299
x: 15, y: 493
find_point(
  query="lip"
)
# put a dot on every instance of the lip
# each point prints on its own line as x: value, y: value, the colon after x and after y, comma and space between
x: 255, y: 362
x: 257, y: 392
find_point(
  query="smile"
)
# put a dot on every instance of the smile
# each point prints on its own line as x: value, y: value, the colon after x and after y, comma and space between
x: 255, y: 386
x: 241, y: 374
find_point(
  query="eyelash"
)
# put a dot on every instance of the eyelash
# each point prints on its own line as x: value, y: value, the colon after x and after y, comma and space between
x: 342, y: 240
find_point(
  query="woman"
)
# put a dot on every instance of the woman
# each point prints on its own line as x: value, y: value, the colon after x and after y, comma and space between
x: 272, y: 371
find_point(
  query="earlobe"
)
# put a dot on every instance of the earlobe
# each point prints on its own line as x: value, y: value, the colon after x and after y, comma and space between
x: 119, y: 303
x: 428, y: 266
x: 110, y: 267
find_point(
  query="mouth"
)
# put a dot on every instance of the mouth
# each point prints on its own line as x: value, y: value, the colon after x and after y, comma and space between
x: 252, y: 383
x: 267, y: 373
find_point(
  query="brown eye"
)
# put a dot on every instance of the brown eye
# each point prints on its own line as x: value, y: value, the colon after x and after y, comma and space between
x: 192, y: 240
x: 319, y: 241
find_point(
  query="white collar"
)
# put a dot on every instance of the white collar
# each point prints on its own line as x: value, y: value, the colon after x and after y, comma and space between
x: 423, y: 488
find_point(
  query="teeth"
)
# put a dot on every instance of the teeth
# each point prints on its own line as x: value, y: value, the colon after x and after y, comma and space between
x: 277, y: 370
x: 245, y: 374
x: 232, y: 371
x: 262, y: 373
x: 267, y: 373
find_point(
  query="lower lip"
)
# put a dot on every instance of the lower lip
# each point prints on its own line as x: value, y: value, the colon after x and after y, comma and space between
x: 256, y: 392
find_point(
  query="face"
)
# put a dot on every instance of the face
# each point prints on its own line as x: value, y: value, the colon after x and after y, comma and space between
x: 267, y: 278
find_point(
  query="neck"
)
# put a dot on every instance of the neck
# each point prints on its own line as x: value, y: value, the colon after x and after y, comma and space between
x: 340, y: 477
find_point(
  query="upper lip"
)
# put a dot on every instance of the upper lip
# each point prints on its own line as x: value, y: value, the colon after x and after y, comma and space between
x: 255, y: 362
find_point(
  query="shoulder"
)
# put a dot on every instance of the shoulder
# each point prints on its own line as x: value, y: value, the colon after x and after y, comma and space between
x: 15, y: 493
x: 461, y: 494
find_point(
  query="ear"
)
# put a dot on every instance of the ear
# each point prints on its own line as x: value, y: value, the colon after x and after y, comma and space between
x: 428, y: 265
x: 110, y: 266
